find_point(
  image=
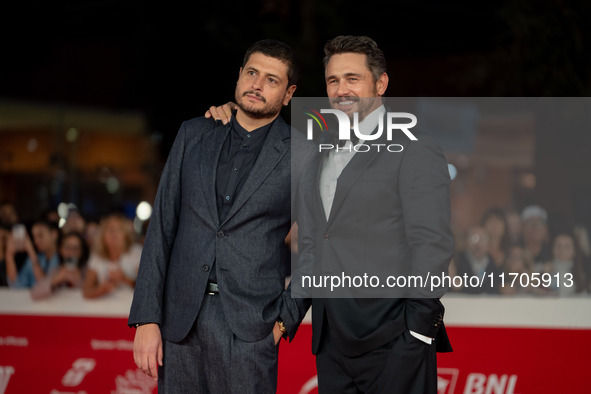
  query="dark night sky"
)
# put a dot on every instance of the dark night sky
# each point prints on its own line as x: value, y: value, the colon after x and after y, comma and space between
x: 171, y: 61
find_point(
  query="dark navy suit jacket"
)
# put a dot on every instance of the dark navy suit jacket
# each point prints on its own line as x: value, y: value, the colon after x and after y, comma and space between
x: 185, y: 237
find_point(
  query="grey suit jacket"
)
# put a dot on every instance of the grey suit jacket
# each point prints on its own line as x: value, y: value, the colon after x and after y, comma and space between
x: 391, y: 215
x: 185, y: 237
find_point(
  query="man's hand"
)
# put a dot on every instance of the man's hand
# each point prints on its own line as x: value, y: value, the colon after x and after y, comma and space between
x: 64, y: 275
x: 277, y: 334
x: 223, y: 113
x: 105, y: 288
x: 147, y: 349
x: 73, y: 277
x: 28, y: 245
x: 292, y: 238
x: 116, y: 275
x: 11, y: 248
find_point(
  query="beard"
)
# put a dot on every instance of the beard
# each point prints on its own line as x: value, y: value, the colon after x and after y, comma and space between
x: 362, y: 105
x: 269, y: 110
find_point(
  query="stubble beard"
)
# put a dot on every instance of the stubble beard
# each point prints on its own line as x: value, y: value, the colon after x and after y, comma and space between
x: 269, y: 110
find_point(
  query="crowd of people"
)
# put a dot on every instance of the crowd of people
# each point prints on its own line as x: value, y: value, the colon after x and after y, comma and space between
x: 96, y: 257
x: 516, y: 254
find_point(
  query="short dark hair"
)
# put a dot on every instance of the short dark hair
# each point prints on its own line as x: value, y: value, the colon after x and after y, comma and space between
x: 50, y: 225
x: 376, y: 61
x: 43, y: 221
x: 278, y: 50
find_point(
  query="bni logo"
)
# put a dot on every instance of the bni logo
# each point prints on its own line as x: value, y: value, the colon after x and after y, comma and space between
x: 345, y: 127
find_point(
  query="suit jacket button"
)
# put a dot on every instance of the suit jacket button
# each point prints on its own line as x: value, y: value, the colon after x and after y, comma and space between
x: 205, y: 267
x: 220, y: 234
x: 326, y: 235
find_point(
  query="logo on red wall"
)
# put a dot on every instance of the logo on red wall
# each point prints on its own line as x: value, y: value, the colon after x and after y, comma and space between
x: 447, y: 378
x: 476, y: 383
x: 479, y: 383
x: 134, y: 382
x: 5, y: 374
x: 75, y: 375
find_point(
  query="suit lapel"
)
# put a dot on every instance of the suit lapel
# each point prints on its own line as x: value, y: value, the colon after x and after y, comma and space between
x: 317, y: 186
x: 211, y: 147
x: 276, y: 145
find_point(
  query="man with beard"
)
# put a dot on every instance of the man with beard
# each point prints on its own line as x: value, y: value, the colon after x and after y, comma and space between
x: 382, y: 212
x: 210, y: 304
x: 375, y: 211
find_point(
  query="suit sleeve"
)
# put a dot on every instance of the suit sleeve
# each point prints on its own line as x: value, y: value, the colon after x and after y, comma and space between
x: 149, y: 289
x: 293, y: 311
x: 296, y: 300
x: 424, y: 189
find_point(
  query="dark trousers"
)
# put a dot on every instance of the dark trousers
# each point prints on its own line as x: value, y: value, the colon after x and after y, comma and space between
x: 211, y: 359
x: 404, y: 365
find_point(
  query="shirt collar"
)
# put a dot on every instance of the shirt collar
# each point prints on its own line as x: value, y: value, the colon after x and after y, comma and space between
x: 261, y: 132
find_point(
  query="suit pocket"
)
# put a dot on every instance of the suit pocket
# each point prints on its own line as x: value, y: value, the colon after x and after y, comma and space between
x: 412, y: 340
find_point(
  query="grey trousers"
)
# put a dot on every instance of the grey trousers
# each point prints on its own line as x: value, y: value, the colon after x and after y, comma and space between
x: 212, y: 360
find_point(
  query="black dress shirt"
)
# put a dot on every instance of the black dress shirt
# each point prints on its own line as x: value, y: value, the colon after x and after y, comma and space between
x: 238, y: 155
x: 239, y: 152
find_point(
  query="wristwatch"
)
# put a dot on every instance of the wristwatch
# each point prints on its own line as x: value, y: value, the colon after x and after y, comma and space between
x: 282, y: 327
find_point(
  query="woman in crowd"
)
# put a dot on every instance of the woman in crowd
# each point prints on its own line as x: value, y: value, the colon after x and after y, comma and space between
x: 9, y: 225
x: 475, y: 260
x: 115, y: 257
x: 39, y: 262
x: 516, y: 265
x: 4, y: 234
x: 73, y: 255
x: 566, y: 263
x: 495, y: 224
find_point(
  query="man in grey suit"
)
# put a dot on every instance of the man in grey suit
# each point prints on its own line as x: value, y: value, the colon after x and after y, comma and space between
x: 210, y: 304
x: 378, y: 212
